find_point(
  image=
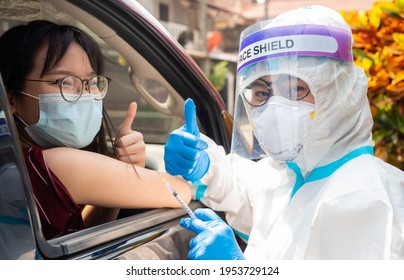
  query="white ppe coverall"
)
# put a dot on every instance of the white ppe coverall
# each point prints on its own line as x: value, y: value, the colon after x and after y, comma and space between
x: 335, y: 200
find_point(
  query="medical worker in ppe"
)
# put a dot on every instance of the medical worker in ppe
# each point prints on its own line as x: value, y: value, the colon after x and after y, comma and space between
x: 301, y: 181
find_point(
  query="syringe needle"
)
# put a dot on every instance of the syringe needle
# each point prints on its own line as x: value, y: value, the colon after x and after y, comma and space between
x: 178, y: 197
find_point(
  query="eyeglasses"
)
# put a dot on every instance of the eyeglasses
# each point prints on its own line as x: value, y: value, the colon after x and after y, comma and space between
x: 71, y: 87
x: 258, y: 92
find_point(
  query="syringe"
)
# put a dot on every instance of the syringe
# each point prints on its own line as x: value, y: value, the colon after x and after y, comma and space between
x: 178, y: 198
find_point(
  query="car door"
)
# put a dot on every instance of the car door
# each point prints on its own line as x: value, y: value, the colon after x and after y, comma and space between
x: 147, y: 66
x: 16, y: 200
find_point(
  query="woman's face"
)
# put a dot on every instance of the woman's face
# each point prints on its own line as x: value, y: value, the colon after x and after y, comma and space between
x: 75, y: 62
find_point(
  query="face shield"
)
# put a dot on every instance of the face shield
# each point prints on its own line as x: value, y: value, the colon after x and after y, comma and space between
x: 277, y: 82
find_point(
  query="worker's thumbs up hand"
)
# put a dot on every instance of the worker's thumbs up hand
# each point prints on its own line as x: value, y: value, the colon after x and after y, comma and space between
x: 185, y: 153
x: 130, y: 145
x: 191, y: 125
x: 215, y: 240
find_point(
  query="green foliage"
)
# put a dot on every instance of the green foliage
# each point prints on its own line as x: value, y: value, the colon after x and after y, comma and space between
x: 379, y: 49
x: 218, y: 75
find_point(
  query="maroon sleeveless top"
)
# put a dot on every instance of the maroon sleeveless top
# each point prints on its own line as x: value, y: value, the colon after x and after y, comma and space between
x: 59, y: 213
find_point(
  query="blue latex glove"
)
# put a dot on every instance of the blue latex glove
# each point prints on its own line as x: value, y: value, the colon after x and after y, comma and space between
x: 184, y: 152
x: 215, y: 239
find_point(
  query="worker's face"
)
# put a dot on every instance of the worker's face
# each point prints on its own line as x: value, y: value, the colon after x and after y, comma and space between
x: 281, y: 109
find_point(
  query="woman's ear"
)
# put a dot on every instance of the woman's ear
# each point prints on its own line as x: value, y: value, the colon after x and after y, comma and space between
x: 11, y: 101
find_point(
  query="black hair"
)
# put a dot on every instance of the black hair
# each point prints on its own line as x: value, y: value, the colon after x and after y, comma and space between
x: 21, y: 44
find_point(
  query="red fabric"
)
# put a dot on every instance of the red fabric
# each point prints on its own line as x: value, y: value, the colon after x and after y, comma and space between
x: 59, y: 213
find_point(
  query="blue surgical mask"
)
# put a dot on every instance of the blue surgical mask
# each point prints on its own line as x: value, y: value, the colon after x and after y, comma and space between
x: 65, y: 124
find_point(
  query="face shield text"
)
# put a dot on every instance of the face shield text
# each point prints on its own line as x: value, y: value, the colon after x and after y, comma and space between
x: 273, y: 46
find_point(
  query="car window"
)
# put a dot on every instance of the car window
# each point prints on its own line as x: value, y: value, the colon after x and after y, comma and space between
x: 131, y: 83
x: 154, y: 124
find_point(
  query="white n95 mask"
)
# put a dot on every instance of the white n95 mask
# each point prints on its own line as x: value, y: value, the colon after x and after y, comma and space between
x: 282, y: 126
x: 62, y: 123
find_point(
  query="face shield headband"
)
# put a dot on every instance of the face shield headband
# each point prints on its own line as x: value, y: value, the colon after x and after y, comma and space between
x: 295, y: 40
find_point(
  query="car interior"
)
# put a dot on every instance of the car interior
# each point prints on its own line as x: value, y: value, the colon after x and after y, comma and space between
x: 160, y: 110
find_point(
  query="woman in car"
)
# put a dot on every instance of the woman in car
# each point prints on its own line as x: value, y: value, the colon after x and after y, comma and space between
x: 54, y: 79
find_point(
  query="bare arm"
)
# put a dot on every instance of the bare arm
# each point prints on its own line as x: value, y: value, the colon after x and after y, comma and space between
x: 98, y: 180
